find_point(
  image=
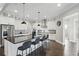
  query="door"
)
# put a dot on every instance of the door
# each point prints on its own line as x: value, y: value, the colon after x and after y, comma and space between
x: 70, y: 35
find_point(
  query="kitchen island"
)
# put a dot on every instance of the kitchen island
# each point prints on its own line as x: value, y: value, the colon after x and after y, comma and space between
x: 10, y: 48
x: 12, y: 43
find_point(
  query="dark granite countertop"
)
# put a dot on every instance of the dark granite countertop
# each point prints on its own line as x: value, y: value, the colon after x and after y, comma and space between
x: 18, y: 42
x: 12, y: 39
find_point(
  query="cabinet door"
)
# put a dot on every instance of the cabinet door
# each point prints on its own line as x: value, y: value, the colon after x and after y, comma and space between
x: 10, y: 31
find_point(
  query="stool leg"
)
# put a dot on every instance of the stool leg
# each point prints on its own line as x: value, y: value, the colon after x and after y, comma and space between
x: 38, y: 49
x: 22, y: 53
x: 35, y: 50
x: 17, y: 51
x: 29, y: 51
x: 42, y: 46
x: 46, y: 44
x: 26, y: 52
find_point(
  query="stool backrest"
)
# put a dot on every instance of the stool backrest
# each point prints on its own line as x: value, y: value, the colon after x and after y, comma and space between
x: 47, y: 36
x: 28, y: 43
x: 37, y: 40
x: 43, y: 37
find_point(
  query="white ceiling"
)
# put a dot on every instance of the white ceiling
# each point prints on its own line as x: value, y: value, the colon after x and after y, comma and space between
x: 49, y: 10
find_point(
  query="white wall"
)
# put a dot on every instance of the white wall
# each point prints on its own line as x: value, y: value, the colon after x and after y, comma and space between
x: 59, y: 35
x: 66, y: 13
x: 52, y: 25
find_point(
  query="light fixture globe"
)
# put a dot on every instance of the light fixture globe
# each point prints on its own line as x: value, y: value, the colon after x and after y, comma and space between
x: 23, y: 22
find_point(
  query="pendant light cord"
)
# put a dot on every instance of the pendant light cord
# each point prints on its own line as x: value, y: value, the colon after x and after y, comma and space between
x: 23, y: 14
x: 23, y: 11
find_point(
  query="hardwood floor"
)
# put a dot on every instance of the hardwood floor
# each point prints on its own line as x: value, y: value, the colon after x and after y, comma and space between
x: 55, y: 49
x: 1, y: 51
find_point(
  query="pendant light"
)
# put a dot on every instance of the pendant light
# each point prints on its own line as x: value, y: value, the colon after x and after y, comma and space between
x: 38, y: 17
x: 23, y: 22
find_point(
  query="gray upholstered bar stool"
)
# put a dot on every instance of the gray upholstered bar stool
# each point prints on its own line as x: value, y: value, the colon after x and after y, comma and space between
x: 35, y: 43
x: 41, y: 40
x: 25, y: 46
x: 45, y: 40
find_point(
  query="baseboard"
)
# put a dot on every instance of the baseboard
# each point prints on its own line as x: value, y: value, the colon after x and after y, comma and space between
x: 59, y: 42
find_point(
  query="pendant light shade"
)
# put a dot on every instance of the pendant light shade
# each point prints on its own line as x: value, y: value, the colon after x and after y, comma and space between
x: 23, y: 22
x: 38, y: 24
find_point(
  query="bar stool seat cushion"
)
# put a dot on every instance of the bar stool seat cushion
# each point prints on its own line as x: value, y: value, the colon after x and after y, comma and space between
x: 25, y: 46
x: 36, y: 41
x: 21, y: 48
x: 41, y: 39
x: 33, y: 43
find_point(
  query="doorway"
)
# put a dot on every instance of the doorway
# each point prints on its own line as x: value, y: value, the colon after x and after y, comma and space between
x: 70, y: 34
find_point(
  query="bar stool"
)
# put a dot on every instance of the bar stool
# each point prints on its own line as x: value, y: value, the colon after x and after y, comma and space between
x: 46, y: 39
x: 35, y: 43
x: 41, y: 40
x: 46, y: 36
x: 25, y: 46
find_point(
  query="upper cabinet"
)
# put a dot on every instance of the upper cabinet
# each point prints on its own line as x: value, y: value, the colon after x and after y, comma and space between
x: 6, y: 20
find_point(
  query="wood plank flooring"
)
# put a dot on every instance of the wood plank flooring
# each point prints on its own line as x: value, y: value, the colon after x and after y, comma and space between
x: 1, y: 51
x: 55, y: 49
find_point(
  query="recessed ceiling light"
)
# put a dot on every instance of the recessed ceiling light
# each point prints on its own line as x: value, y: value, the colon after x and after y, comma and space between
x: 66, y: 26
x: 45, y: 16
x: 15, y: 11
x: 59, y: 5
x: 9, y: 15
